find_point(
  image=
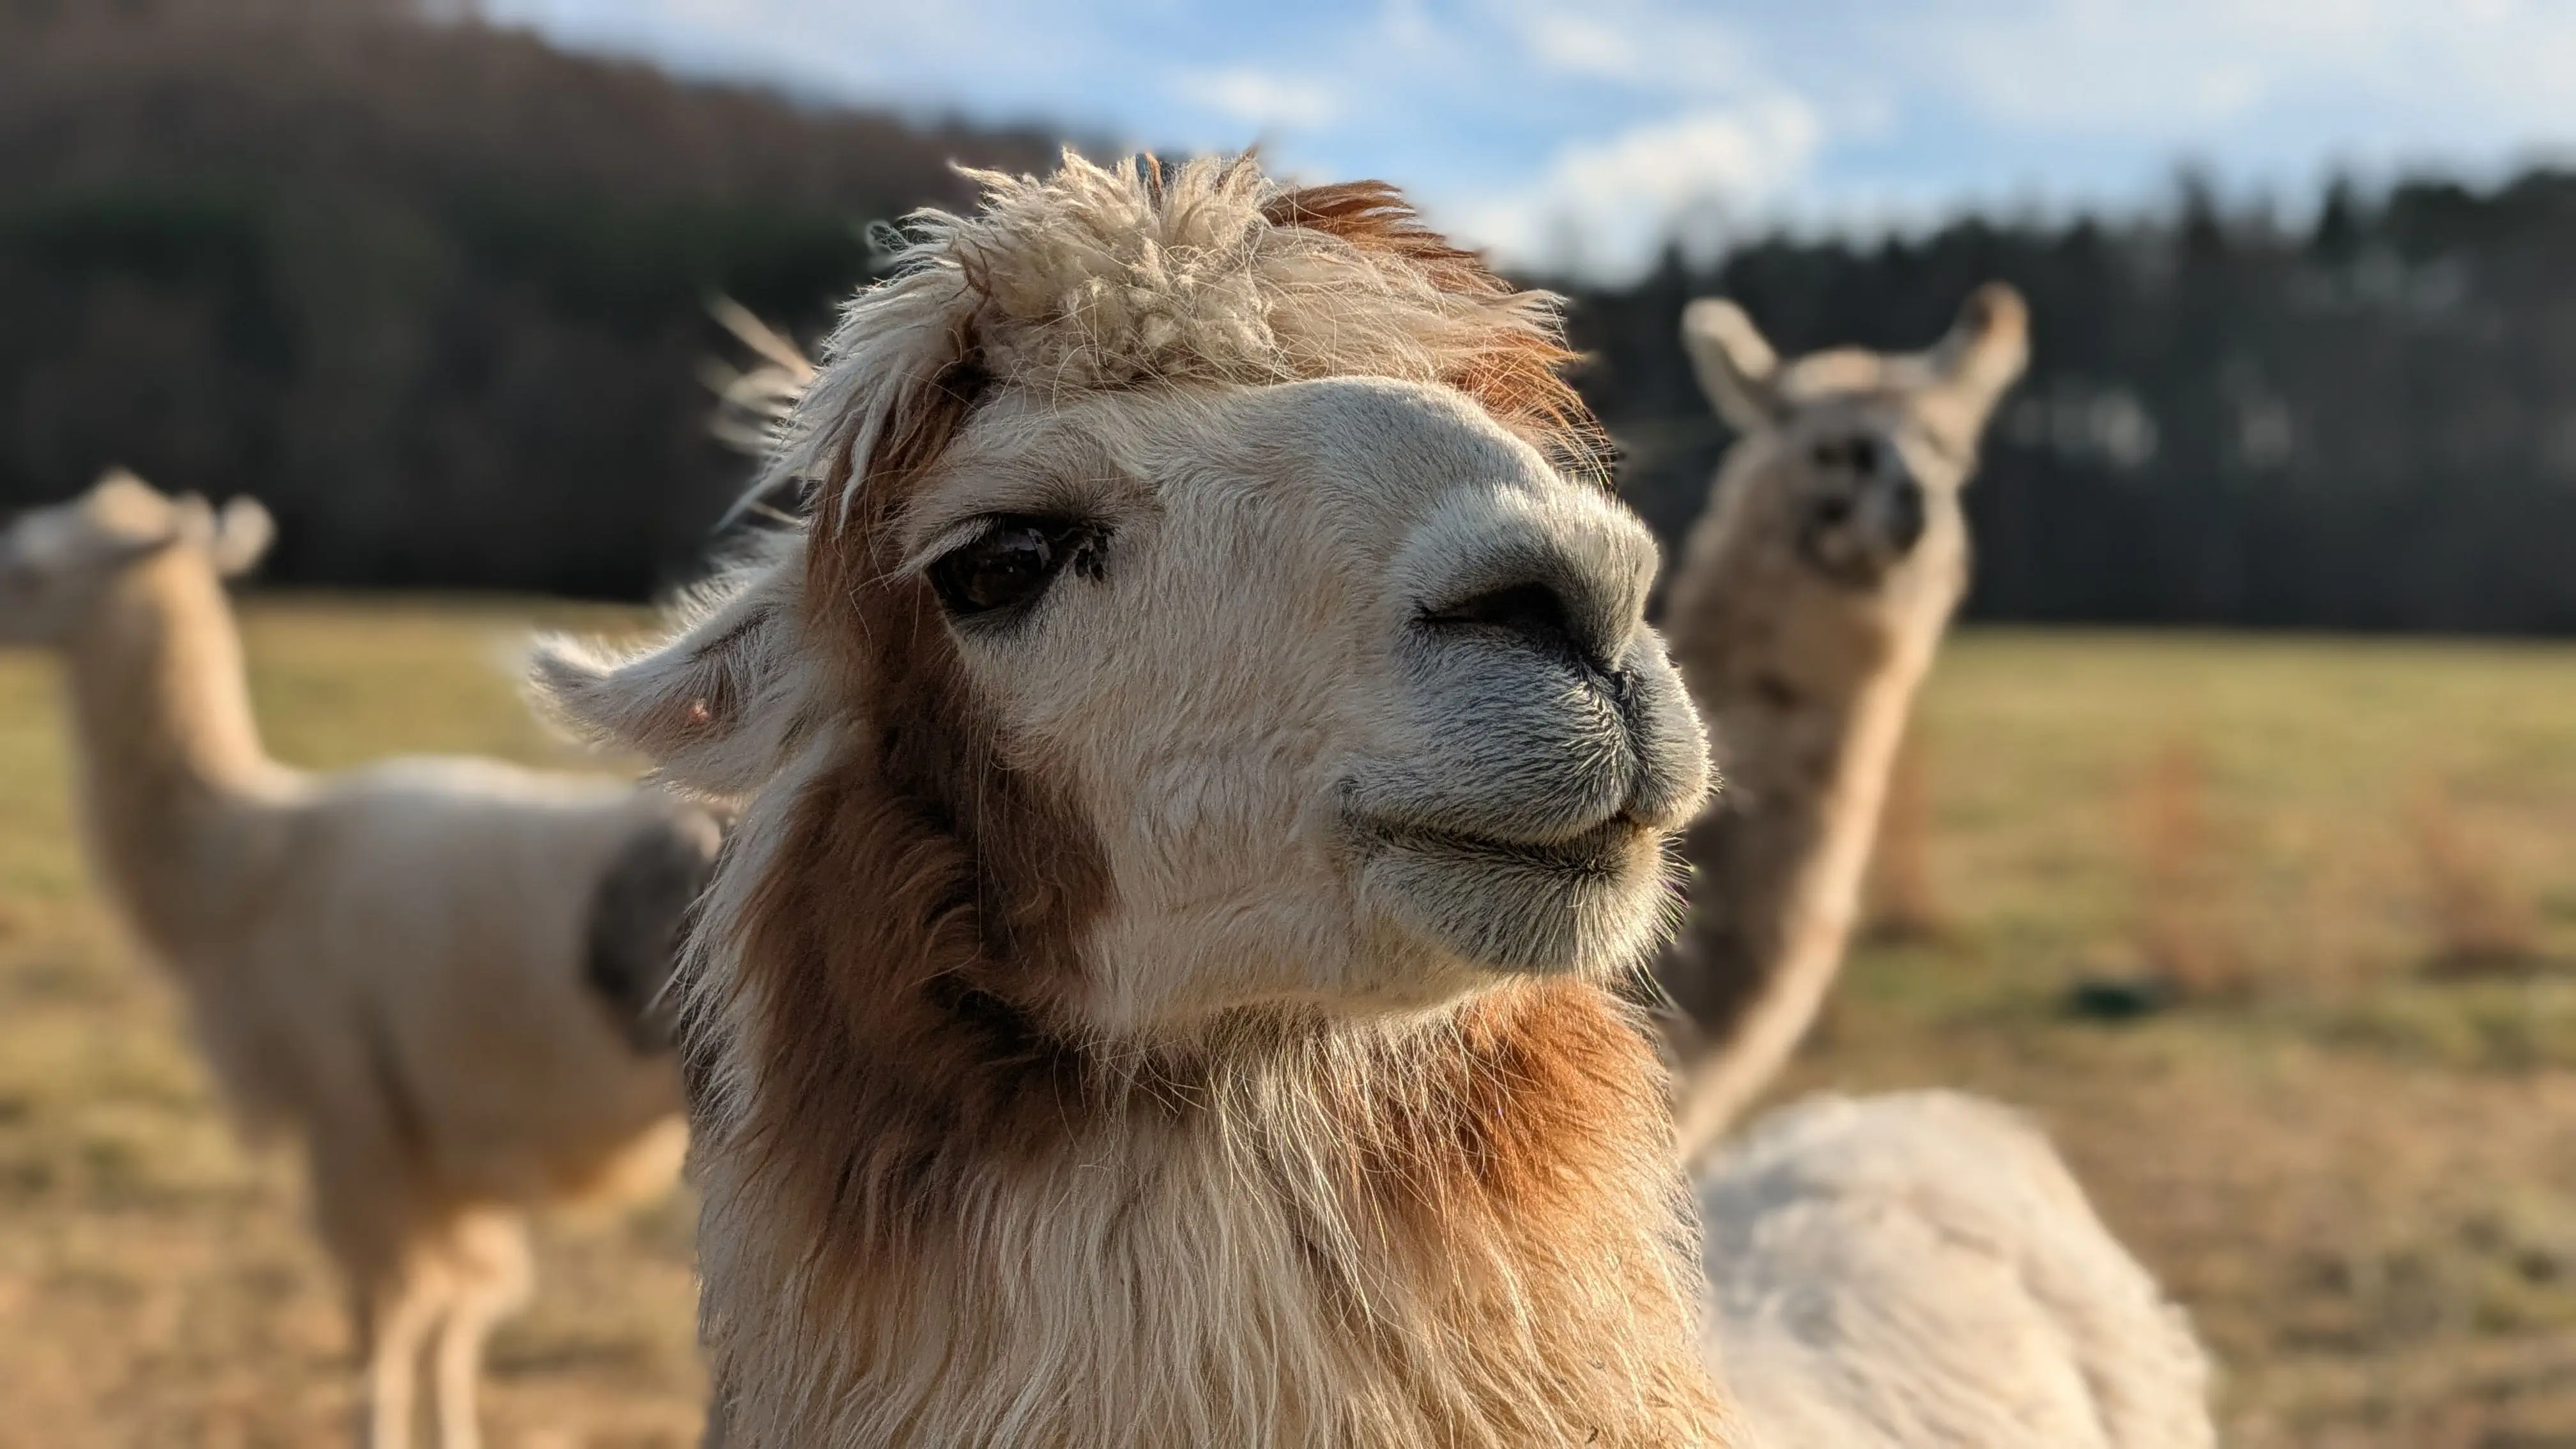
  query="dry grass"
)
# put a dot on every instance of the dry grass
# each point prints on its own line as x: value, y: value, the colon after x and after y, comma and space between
x: 2478, y: 923
x: 2181, y: 923
x: 2362, y: 1178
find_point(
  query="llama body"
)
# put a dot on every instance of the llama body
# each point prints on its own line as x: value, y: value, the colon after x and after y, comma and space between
x: 1899, y: 1272
x: 448, y: 896
x: 1207, y: 784
x: 387, y: 964
x: 1919, y: 1271
x: 1805, y: 610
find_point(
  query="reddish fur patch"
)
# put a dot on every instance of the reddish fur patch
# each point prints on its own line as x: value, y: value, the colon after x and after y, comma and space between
x: 1518, y: 1170
x: 1519, y: 376
x: 916, y: 931
x: 1537, y: 1082
x: 1522, y: 1129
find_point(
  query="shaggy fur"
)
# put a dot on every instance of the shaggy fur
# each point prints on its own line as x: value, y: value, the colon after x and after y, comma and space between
x: 1804, y: 612
x: 1128, y: 1025
x: 388, y: 964
x: 1919, y: 1272
x: 1183, y: 1015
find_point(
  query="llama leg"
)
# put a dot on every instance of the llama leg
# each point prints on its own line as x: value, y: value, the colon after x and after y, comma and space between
x: 397, y: 1291
x: 489, y: 1256
x: 395, y: 1310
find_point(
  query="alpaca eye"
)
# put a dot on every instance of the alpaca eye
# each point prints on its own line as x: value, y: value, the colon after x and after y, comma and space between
x: 1008, y: 565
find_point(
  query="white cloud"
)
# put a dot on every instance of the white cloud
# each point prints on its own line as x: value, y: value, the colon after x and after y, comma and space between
x: 2151, y: 70
x: 1579, y: 131
x: 1257, y: 98
x: 1669, y: 47
x: 1606, y: 206
x: 1582, y: 45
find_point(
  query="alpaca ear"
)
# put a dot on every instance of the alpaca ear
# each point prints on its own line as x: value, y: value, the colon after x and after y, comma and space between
x: 242, y: 534
x: 714, y: 704
x: 1736, y: 367
x: 718, y: 704
x: 1986, y: 349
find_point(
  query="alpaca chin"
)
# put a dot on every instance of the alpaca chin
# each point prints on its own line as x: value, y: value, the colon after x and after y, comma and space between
x: 1589, y: 907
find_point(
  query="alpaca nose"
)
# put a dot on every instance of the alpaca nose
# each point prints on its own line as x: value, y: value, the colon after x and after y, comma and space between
x: 1531, y: 612
x: 1541, y: 602
x: 1905, y: 513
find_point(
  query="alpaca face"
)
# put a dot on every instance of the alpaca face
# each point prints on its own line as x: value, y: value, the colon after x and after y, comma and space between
x: 57, y: 563
x: 1187, y: 620
x: 1328, y: 693
x: 1853, y: 461
x: 1859, y: 484
x: 1352, y: 688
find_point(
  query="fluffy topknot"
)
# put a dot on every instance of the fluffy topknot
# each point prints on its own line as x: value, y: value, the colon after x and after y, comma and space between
x: 1135, y: 275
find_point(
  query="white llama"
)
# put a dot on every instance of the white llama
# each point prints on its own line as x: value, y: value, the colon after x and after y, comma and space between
x: 434, y: 973
x: 1207, y: 773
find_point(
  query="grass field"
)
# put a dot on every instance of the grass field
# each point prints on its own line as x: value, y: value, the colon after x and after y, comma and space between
x: 2351, y: 1154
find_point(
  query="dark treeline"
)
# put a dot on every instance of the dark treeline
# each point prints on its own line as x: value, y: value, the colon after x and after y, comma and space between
x: 437, y: 293
x: 2368, y: 423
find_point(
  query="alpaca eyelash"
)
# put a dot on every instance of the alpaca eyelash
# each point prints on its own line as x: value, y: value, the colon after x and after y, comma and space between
x: 1071, y: 506
x: 945, y: 542
x: 1074, y: 545
x: 1084, y: 535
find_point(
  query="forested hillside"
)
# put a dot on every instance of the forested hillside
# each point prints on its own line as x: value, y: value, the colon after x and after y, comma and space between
x: 436, y: 293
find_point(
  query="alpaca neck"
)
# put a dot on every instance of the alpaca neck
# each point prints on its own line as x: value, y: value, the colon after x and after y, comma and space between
x: 1807, y: 689
x: 171, y: 765
x: 1459, y: 1233
x: 939, y: 1211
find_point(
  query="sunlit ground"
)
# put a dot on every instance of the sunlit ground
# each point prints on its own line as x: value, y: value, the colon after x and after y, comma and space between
x: 2354, y: 1157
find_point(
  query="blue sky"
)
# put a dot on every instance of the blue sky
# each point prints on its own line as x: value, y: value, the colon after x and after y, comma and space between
x: 1579, y: 134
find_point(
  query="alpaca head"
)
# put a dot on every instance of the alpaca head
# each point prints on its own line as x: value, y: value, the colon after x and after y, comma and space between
x: 57, y: 563
x: 1207, y: 579
x: 1854, y: 459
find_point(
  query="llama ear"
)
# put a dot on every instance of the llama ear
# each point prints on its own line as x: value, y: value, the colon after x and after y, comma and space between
x: 191, y: 521
x: 712, y: 705
x: 1986, y: 348
x: 1736, y: 367
x: 242, y: 533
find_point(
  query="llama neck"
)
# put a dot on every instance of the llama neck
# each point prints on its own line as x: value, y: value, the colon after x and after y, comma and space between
x: 929, y: 1221
x: 937, y: 1213
x: 171, y: 764
x: 1807, y: 689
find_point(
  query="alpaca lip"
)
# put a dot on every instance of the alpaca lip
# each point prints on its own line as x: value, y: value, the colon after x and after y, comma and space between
x: 1607, y: 849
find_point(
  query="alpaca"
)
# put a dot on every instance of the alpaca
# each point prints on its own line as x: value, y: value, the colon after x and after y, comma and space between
x: 1206, y: 780
x: 1804, y: 613
x: 396, y: 965
x: 1919, y: 1271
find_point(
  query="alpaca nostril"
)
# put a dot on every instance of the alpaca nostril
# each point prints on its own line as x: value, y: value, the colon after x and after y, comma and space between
x: 1531, y: 612
x: 1905, y: 514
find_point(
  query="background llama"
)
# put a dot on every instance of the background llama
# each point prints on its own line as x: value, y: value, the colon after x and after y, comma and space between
x: 2230, y: 837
